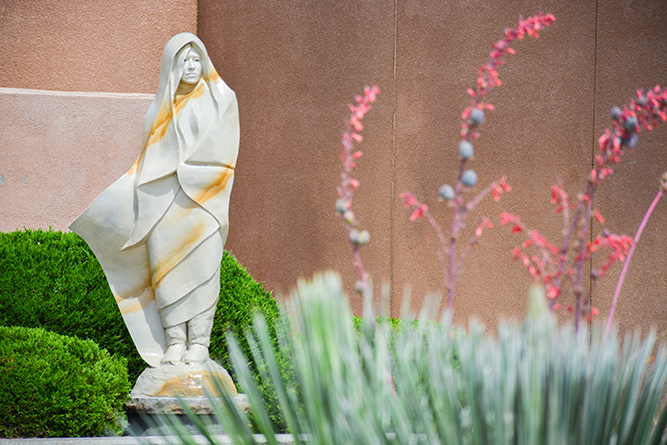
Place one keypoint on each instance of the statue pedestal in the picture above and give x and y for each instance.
(161, 392)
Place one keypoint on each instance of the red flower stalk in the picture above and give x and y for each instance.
(626, 264)
(542, 258)
(646, 111)
(349, 157)
(488, 73)
(472, 117)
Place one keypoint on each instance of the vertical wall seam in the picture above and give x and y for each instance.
(393, 165)
(197, 15)
(593, 145)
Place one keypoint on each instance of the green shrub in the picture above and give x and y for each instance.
(240, 298)
(52, 280)
(57, 386)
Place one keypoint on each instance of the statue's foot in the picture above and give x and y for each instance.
(174, 354)
(196, 353)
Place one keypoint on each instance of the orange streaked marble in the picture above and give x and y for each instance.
(131, 305)
(163, 119)
(165, 265)
(213, 75)
(132, 292)
(216, 187)
(196, 384)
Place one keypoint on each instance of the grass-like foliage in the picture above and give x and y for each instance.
(57, 386)
(531, 383)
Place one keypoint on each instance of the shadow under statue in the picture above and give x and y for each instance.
(159, 230)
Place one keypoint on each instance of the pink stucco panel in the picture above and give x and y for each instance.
(68, 45)
(59, 150)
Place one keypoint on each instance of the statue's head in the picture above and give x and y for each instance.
(184, 63)
(191, 59)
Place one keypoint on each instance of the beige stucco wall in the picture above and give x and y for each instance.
(59, 150)
(92, 45)
(294, 69)
(76, 79)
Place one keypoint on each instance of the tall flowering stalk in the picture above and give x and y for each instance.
(626, 264)
(560, 267)
(349, 156)
(472, 118)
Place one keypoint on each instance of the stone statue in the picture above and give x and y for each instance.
(159, 230)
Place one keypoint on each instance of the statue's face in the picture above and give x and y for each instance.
(192, 67)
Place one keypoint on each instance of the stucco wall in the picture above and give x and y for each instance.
(59, 150)
(60, 144)
(92, 45)
(294, 67)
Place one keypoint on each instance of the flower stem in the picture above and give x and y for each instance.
(360, 266)
(470, 206)
(578, 290)
(626, 263)
(443, 242)
(586, 198)
(458, 203)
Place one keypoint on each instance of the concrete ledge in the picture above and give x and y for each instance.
(158, 440)
(31, 92)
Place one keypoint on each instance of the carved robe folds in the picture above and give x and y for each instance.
(159, 230)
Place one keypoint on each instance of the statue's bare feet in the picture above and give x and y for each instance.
(174, 354)
(196, 353)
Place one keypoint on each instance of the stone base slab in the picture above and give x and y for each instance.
(174, 405)
(148, 416)
(184, 380)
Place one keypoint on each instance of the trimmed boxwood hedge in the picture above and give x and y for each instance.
(52, 280)
(58, 386)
